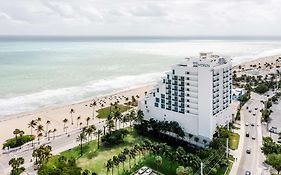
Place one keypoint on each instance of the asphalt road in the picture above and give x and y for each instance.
(252, 161)
(60, 143)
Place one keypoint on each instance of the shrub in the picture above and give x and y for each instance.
(13, 142)
(115, 137)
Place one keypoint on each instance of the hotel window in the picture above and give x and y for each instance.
(157, 89)
(187, 78)
(145, 102)
(173, 71)
(162, 95)
(153, 94)
(163, 80)
(156, 104)
(168, 76)
(162, 101)
(157, 99)
(162, 106)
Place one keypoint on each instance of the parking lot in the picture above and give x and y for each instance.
(275, 120)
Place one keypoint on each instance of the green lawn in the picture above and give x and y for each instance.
(234, 141)
(105, 112)
(94, 159)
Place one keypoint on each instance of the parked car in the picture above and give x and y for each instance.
(143, 169)
(250, 111)
(247, 173)
(247, 134)
(254, 114)
(248, 151)
(252, 124)
(247, 124)
(253, 138)
(256, 108)
(147, 172)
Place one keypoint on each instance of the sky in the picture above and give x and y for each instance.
(141, 17)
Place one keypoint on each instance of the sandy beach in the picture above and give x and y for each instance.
(265, 65)
(56, 114)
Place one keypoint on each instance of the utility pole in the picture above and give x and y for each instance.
(201, 168)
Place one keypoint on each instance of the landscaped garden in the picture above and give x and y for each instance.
(124, 151)
(105, 112)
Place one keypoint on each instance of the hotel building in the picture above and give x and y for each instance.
(196, 94)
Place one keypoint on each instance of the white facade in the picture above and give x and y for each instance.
(196, 94)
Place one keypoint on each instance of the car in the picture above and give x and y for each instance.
(247, 107)
(256, 108)
(247, 173)
(147, 172)
(253, 138)
(247, 134)
(252, 124)
(142, 169)
(246, 124)
(279, 141)
(250, 111)
(254, 114)
(248, 151)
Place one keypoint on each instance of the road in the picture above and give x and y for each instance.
(60, 143)
(252, 162)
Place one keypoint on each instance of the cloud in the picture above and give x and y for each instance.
(146, 17)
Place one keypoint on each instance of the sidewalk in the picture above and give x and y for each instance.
(238, 153)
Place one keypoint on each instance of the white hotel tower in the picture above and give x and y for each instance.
(196, 94)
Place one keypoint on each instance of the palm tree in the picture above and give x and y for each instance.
(16, 132)
(47, 124)
(71, 112)
(182, 171)
(109, 165)
(110, 125)
(122, 159)
(80, 125)
(54, 133)
(16, 163)
(78, 118)
(87, 120)
(93, 128)
(117, 117)
(93, 105)
(32, 125)
(64, 123)
(88, 132)
(39, 129)
(81, 138)
(126, 151)
(116, 162)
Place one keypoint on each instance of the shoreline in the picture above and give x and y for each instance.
(4, 118)
(55, 114)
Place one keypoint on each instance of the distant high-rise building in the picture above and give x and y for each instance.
(196, 94)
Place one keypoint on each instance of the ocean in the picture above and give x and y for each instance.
(46, 71)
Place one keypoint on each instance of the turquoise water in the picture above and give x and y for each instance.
(43, 72)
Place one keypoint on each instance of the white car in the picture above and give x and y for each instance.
(247, 124)
(143, 169)
(147, 172)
